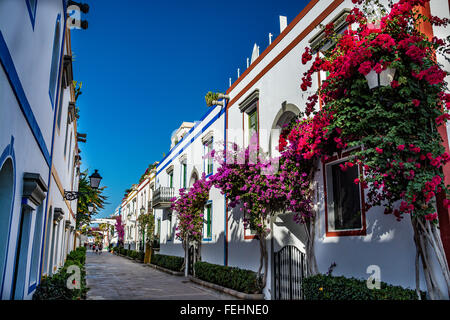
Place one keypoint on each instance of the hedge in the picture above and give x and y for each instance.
(327, 287)
(231, 277)
(55, 287)
(169, 262)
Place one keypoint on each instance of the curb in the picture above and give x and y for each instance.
(174, 273)
(240, 295)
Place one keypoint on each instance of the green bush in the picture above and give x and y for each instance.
(327, 287)
(141, 255)
(78, 255)
(168, 262)
(55, 287)
(234, 278)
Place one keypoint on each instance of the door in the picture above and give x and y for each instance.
(289, 271)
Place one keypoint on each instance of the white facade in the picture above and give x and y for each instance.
(184, 165)
(34, 172)
(271, 88)
(136, 202)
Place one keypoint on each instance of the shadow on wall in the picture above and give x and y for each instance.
(388, 244)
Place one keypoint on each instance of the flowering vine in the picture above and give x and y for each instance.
(395, 127)
(189, 206)
(120, 230)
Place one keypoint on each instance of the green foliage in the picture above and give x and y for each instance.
(77, 89)
(210, 97)
(140, 255)
(168, 262)
(234, 278)
(87, 196)
(147, 225)
(327, 287)
(55, 287)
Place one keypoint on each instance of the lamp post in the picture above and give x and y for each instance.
(94, 181)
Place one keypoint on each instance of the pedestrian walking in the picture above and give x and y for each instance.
(100, 248)
(93, 247)
(96, 248)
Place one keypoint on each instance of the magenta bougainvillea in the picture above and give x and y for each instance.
(189, 206)
(120, 229)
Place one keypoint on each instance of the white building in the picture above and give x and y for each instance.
(135, 203)
(266, 96)
(38, 161)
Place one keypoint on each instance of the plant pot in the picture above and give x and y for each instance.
(223, 96)
(218, 103)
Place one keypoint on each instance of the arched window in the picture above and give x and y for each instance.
(6, 201)
(55, 61)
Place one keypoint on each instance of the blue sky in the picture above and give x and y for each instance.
(146, 67)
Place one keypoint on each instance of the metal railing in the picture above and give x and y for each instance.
(162, 196)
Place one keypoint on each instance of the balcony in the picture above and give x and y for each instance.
(162, 196)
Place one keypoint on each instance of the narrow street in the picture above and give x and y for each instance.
(111, 277)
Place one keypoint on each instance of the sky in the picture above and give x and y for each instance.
(146, 67)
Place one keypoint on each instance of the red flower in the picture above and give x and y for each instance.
(365, 67)
(401, 147)
(356, 181)
(379, 150)
(416, 102)
(395, 84)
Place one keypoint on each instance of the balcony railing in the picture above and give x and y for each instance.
(162, 196)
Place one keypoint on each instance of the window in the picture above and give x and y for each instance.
(208, 146)
(60, 104)
(171, 179)
(252, 124)
(249, 233)
(55, 61)
(32, 6)
(207, 218)
(184, 164)
(70, 150)
(344, 201)
(249, 108)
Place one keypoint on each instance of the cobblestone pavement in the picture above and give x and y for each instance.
(111, 277)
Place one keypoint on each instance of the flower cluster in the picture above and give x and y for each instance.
(400, 163)
(189, 206)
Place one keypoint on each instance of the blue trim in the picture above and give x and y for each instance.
(13, 78)
(32, 287)
(186, 135)
(58, 62)
(9, 153)
(32, 12)
(193, 139)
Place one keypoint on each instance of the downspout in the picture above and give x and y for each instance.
(225, 262)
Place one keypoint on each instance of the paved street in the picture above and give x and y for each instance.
(111, 277)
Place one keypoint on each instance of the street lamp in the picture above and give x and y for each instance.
(94, 181)
(142, 210)
(90, 207)
(382, 79)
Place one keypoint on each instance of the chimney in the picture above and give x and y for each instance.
(283, 23)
